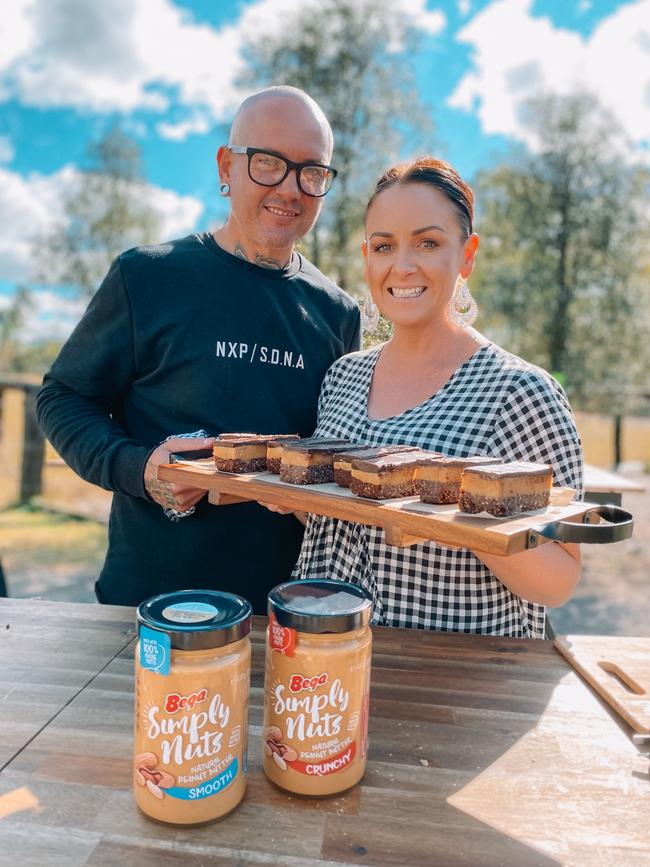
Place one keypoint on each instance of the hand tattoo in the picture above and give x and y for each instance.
(161, 493)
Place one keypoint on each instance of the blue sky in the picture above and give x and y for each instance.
(166, 69)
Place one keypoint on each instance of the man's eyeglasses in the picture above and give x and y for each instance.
(269, 170)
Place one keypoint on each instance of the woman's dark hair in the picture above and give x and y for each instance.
(435, 173)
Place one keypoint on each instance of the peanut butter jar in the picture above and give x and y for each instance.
(317, 684)
(192, 674)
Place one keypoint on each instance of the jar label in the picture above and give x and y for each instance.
(314, 733)
(190, 612)
(208, 788)
(154, 650)
(188, 739)
(282, 638)
(328, 766)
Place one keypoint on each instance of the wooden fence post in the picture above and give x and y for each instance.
(31, 475)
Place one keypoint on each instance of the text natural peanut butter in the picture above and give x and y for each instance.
(192, 667)
(317, 681)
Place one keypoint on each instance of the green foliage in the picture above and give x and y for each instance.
(565, 240)
(11, 319)
(339, 53)
(381, 334)
(105, 213)
(33, 357)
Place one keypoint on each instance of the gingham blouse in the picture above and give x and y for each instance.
(494, 404)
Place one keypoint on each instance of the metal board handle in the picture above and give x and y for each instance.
(619, 527)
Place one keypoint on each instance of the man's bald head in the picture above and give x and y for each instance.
(253, 109)
(266, 220)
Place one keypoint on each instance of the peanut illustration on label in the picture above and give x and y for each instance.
(273, 747)
(147, 775)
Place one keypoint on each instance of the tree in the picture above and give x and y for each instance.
(11, 320)
(105, 212)
(353, 58)
(565, 235)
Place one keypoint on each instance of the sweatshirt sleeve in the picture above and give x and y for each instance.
(355, 342)
(81, 401)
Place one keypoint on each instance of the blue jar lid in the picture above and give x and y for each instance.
(197, 619)
(320, 605)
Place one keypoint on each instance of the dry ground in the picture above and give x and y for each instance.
(57, 557)
(50, 555)
(613, 597)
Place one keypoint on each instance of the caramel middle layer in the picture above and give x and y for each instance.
(395, 476)
(442, 473)
(297, 458)
(255, 450)
(503, 487)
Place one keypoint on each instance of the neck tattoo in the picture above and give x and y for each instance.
(262, 261)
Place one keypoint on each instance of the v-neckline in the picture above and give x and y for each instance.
(444, 387)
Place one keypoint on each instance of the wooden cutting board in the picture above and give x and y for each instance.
(618, 669)
(405, 521)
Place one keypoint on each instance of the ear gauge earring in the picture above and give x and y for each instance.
(369, 314)
(224, 189)
(462, 306)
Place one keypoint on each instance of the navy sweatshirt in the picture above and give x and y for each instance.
(179, 337)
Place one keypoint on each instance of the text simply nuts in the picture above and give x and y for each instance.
(192, 669)
(317, 684)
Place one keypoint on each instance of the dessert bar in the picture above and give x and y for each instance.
(343, 462)
(505, 489)
(439, 481)
(389, 476)
(304, 464)
(277, 450)
(240, 454)
(274, 451)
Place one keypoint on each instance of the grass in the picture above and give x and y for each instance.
(42, 550)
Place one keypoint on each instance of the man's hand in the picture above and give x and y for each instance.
(171, 495)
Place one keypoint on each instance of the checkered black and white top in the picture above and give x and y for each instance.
(494, 404)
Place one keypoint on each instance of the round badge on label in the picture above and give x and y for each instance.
(190, 612)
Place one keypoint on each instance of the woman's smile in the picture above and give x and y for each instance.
(406, 291)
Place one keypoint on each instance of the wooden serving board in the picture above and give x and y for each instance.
(618, 669)
(406, 521)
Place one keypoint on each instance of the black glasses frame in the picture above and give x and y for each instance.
(250, 153)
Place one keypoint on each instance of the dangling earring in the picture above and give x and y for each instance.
(224, 189)
(462, 306)
(369, 314)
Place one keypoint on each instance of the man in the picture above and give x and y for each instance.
(225, 332)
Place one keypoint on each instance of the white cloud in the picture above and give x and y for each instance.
(178, 214)
(6, 149)
(516, 55)
(124, 55)
(120, 55)
(179, 131)
(15, 33)
(464, 7)
(30, 206)
(50, 316)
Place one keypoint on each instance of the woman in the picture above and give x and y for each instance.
(440, 385)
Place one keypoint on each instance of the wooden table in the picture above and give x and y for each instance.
(483, 751)
(602, 486)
